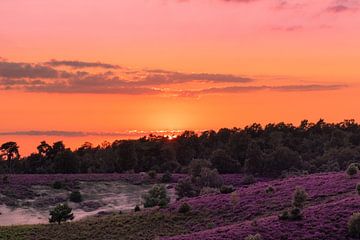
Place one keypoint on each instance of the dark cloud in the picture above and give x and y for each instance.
(15, 82)
(26, 70)
(338, 9)
(81, 64)
(340, 6)
(245, 89)
(176, 77)
(32, 77)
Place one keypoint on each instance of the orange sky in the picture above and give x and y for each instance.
(105, 66)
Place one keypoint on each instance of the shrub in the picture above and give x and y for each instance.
(75, 196)
(352, 169)
(248, 179)
(225, 189)
(184, 208)
(284, 215)
(152, 174)
(137, 208)
(299, 197)
(358, 188)
(196, 165)
(209, 178)
(185, 188)
(209, 191)
(270, 190)
(254, 237)
(210, 225)
(294, 214)
(166, 177)
(61, 213)
(354, 225)
(157, 196)
(57, 185)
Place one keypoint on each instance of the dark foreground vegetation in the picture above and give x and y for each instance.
(273, 150)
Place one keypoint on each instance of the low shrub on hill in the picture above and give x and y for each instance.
(298, 201)
(184, 208)
(61, 213)
(294, 215)
(185, 188)
(352, 170)
(152, 174)
(299, 197)
(208, 178)
(270, 190)
(76, 196)
(157, 196)
(225, 189)
(354, 225)
(248, 179)
(137, 208)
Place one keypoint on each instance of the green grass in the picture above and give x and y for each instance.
(142, 225)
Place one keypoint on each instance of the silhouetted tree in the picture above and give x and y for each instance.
(9, 151)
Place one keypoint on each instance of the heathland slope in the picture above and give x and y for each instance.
(332, 199)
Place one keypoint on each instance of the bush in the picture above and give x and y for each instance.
(358, 188)
(75, 196)
(157, 196)
(270, 190)
(352, 170)
(248, 179)
(196, 165)
(299, 197)
(254, 237)
(152, 174)
(137, 208)
(184, 208)
(354, 225)
(294, 215)
(166, 177)
(284, 215)
(209, 178)
(61, 213)
(57, 185)
(185, 188)
(225, 189)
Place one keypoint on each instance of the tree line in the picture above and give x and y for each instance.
(272, 150)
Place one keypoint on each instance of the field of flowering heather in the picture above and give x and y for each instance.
(251, 209)
(332, 199)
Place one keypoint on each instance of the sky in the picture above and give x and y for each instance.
(89, 70)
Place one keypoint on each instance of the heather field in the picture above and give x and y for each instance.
(251, 209)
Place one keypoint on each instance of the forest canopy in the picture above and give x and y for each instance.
(272, 150)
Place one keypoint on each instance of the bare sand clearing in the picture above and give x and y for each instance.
(98, 198)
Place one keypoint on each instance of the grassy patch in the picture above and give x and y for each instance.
(142, 225)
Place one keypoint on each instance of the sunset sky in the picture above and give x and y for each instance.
(90, 70)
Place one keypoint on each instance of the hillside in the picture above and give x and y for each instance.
(250, 210)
